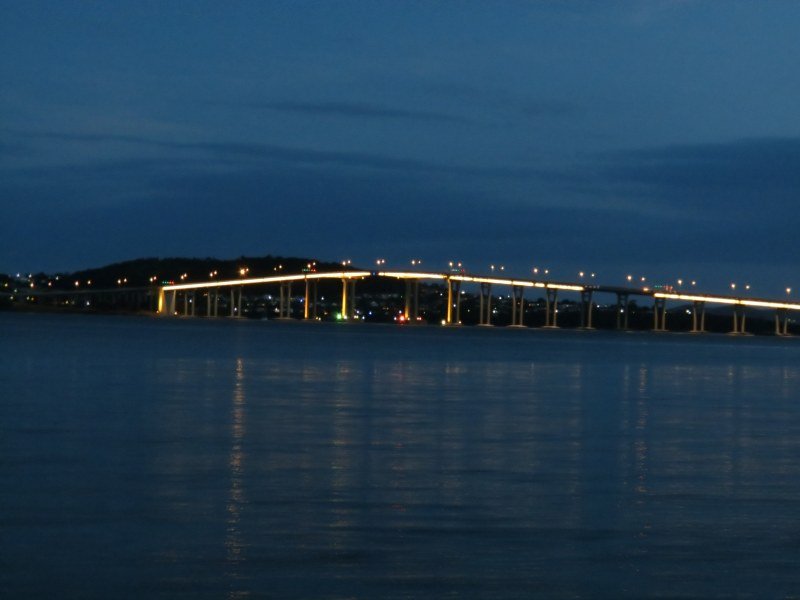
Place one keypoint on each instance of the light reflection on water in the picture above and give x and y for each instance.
(215, 459)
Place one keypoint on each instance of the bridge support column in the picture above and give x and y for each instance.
(310, 300)
(551, 308)
(348, 298)
(193, 303)
(517, 305)
(738, 320)
(586, 309)
(239, 302)
(216, 302)
(232, 312)
(622, 311)
(285, 303)
(161, 301)
(453, 288)
(485, 308)
(185, 304)
(659, 314)
(782, 324)
(412, 300)
(698, 317)
(173, 302)
(352, 312)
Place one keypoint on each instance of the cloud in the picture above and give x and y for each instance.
(357, 110)
(493, 98)
(752, 164)
(230, 152)
(739, 183)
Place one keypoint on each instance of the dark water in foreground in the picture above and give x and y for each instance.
(144, 459)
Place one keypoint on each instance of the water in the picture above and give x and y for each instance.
(145, 458)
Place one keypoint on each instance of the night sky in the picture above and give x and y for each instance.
(654, 138)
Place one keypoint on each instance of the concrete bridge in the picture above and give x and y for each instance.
(182, 298)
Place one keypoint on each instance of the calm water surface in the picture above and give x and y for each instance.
(144, 458)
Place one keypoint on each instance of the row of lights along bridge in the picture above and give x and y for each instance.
(454, 266)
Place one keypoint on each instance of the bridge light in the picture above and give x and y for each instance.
(788, 291)
(629, 277)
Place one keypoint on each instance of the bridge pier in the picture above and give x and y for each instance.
(216, 302)
(781, 325)
(412, 300)
(738, 320)
(310, 301)
(551, 308)
(659, 314)
(453, 288)
(699, 317)
(348, 298)
(485, 307)
(586, 309)
(236, 302)
(194, 303)
(517, 305)
(622, 310)
(285, 301)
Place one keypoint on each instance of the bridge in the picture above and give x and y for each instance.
(170, 297)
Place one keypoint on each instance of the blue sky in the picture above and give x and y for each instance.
(658, 138)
